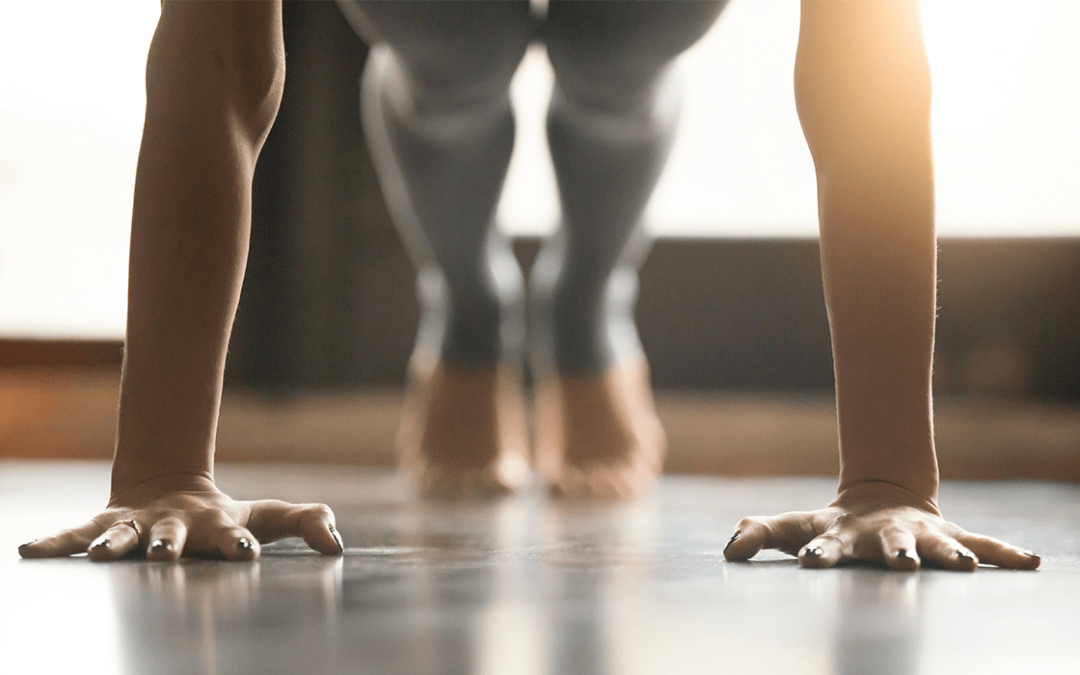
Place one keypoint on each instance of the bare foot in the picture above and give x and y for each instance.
(463, 429)
(598, 436)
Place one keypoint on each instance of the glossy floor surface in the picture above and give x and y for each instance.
(528, 585)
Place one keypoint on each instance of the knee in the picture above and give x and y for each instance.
(452, 55)
(457, 75)
(223, 59)
(613, 56)
(592, 77)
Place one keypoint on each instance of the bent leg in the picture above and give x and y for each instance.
(610, 127)
(436, 112)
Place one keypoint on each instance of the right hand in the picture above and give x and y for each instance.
(168, 516)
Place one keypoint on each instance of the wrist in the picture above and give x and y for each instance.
(884, 493)
(128, 492)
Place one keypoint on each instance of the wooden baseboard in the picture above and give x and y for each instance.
(71, 414)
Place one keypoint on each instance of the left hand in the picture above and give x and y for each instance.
(875, 522)
(164, 518)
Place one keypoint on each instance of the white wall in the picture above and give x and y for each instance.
(1007, 97)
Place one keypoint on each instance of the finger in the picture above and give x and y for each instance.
(64, 543)
(315, 523)
(946, 552)
(116, 542)
(823, 551)
(167, 538)
(996, 552)
(787, 532)
(898, 548)
(237, 543)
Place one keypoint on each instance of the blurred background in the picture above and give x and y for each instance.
(731, 310)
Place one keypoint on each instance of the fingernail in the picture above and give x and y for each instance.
(337, 539)
(1029, 554)
(244, 544)
(32, 542)
(965, 555)
(100, 543)
(732, 541)
(904, 554)
(814, 552)
(160, 545)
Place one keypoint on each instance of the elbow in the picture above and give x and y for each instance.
(219, 71)
(866, 123)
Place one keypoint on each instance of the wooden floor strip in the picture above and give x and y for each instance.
(71, 414)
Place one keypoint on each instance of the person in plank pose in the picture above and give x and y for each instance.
(437, 115)
(214, 79)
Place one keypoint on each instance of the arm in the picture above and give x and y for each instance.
(862, 86)
(214, 79)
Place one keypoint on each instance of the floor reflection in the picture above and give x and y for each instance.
(274, 615)
(533, 586)
(878, 628)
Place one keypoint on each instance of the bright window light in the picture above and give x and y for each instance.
(1007, 145)
(1006, 139)
(71, 110)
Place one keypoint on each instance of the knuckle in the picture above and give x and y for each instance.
(808, 531)
(828, 538)
(893, 531)
(102, 520)
(920, 530)
(321, 511)
(747, 524)
(171, 521)
(846, 520)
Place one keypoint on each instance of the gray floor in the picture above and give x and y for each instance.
(527, 585)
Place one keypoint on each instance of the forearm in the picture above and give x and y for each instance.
(863, 90)
(188, 246)
(879, 268)
(190, 228)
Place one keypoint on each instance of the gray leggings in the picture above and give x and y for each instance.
(438, 120)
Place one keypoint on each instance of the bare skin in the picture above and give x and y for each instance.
(598, 436)
(463, 429)
(862, 86)
(214, 79)
(436, 113)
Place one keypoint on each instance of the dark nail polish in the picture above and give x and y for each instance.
(1031, 554)
(244, 544)
(160, 545)
(814, 552)
(31, 543)
(965, 555)
(337, 539)
(732, 540)
(100, 543)
(903, 554)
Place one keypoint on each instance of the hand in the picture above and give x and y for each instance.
(875, 522)
(173, 515)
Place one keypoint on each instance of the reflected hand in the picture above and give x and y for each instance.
(173, 515)
(874, 522)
